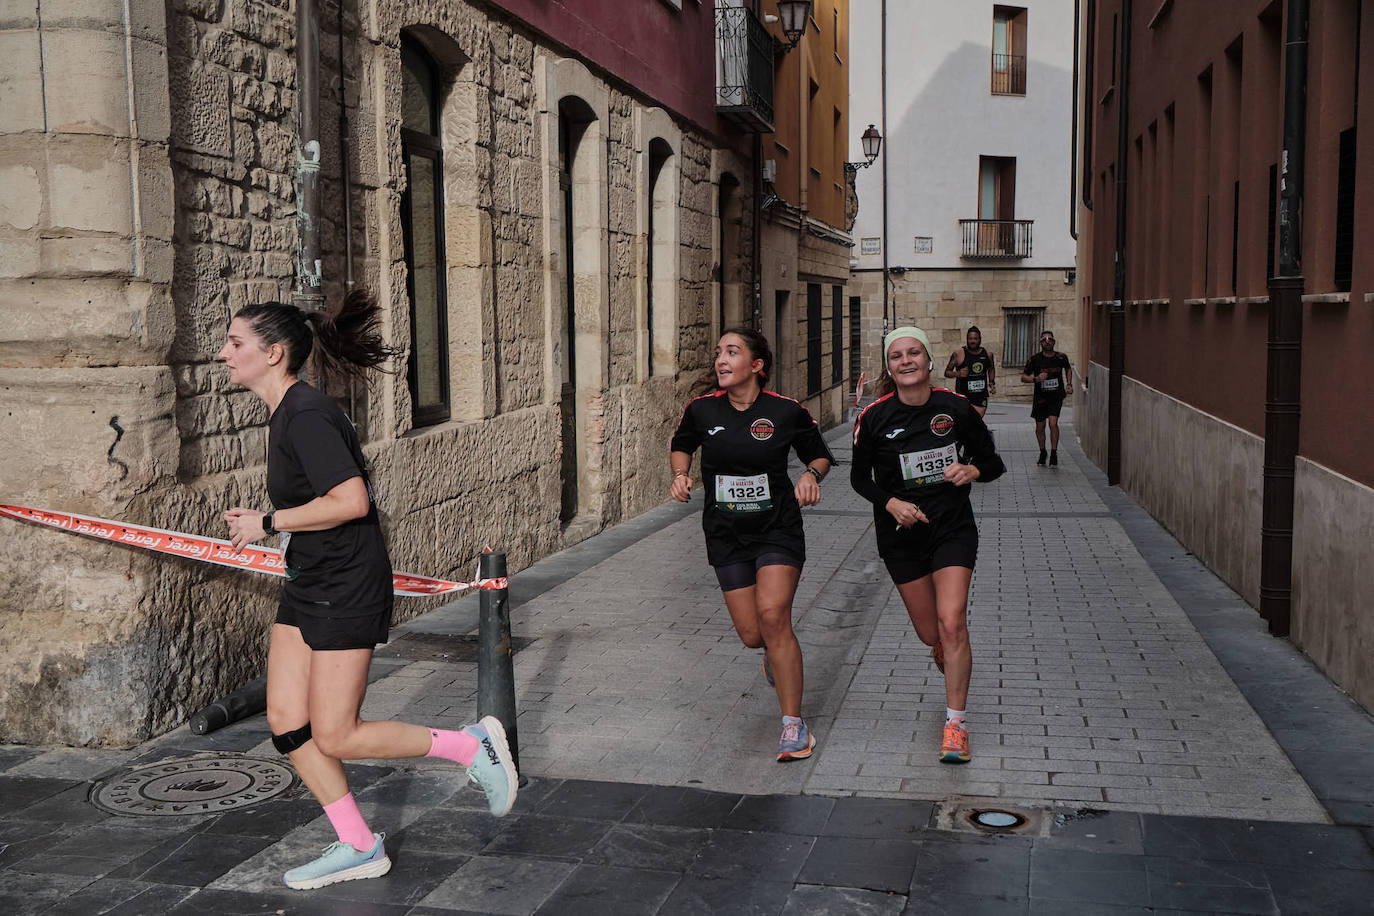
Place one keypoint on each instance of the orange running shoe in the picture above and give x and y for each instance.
(937, 652)
(954, 748)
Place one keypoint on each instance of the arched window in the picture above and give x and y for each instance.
(422, 219)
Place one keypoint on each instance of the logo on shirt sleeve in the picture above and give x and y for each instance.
(942, 424)
(762, 429)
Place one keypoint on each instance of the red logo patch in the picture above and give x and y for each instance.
(942, 424)
(763, 429)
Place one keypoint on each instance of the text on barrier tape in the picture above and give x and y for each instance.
(267, 560)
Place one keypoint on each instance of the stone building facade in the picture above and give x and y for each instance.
(147, 192)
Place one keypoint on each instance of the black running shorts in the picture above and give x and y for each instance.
(958, 547)
(333, 630)
(1049, 407)
(742, 575)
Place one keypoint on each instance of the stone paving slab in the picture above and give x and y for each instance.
(575, 846)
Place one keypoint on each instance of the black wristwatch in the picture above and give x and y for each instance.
(267, 524)
(814, 473)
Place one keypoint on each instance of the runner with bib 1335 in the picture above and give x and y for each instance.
(916, 450)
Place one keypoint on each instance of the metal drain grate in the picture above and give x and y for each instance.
(208, 784)
(440, 647)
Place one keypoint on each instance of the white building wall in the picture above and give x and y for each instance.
(942, 115)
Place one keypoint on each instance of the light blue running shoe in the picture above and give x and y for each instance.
(341, 862)
(796, 742)
(492, 769)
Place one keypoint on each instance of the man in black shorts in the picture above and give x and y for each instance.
(1049, 371)
(971, 367)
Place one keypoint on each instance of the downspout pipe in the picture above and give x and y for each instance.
(346, 178)
(1283, 373)
(757, 207)
(1073, 136)
(887, 143)
(309, 291)
(344, 168)
(1116, 351)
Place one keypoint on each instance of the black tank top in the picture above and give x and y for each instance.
(976, 382)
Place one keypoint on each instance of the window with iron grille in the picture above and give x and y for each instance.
(1023, 327)
(837, 335)
(1008, 50)
(813, 339)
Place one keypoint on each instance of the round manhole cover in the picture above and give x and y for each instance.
(997, 820)
(199, 785)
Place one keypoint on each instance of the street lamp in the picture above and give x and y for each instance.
(794, 14)
(872, 142)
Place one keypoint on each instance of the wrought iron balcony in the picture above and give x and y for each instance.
(744, 69)
(996, 238)
(1008, 74)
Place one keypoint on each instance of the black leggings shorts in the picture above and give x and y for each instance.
(742, 575)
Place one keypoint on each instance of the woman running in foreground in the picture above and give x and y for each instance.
(336, 604)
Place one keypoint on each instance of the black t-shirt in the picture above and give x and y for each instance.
(312, 448)
(1057, 367)
(750, 504)
(975, 384)
(902, 451)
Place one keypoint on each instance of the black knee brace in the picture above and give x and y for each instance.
(292, 740)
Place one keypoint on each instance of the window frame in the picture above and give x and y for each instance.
(1010, 345)
(429, 147)
(1007, 80)
(837, 334)
(815, 307)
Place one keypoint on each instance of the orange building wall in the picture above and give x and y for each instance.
(809, 147)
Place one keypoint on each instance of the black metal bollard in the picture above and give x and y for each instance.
(495, 668)
(248, 700)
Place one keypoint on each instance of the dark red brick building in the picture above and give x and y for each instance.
(1202, 388)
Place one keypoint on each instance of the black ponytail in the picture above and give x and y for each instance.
(349, 342)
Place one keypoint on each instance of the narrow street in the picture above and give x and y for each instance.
(1117, 704)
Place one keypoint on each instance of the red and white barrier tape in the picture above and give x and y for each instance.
(859, 388)
(267, 560)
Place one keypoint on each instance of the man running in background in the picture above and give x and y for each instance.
(971, 367)
(1049, 371)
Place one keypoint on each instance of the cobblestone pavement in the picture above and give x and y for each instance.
(1105, 710)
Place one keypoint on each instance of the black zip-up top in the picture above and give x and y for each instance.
(902, 451)
(750, 504)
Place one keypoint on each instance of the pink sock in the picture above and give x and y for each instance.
(460, 747)
(349, 824)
